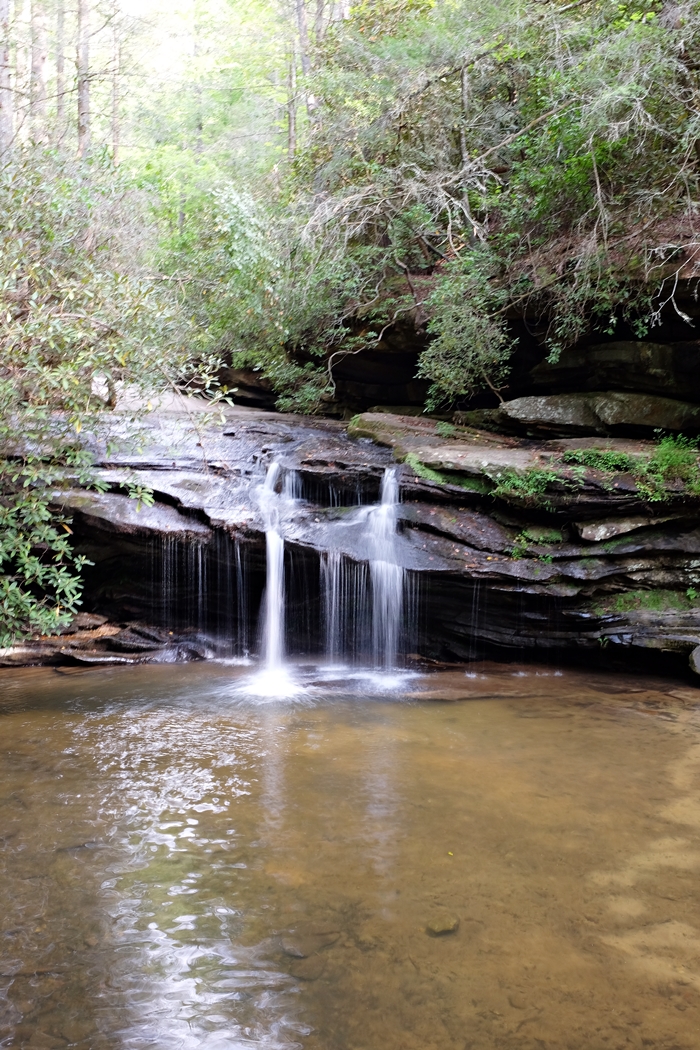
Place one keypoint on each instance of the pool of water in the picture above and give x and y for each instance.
(187, 865)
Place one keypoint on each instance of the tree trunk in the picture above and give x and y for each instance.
(83, 67)
(292, 106)
(305, 53)
(20, 87)
(465, 113)
(37, 85)
(319, 26)
(198, 94)
(116, 69)
(6, 122)
(303, 30)
(60, 70)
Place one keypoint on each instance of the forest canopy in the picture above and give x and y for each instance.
(445, 162)
(273, 184)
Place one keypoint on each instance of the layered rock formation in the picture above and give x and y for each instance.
(569, 546)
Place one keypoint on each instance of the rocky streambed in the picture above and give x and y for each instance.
(580, 547)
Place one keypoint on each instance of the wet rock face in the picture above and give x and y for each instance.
(514, 545)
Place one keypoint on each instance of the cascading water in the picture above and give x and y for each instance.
(274, 680)
(386, 574)
(364, 603)
(365, 599)
(346, 608)
(331, 570)
(274, 619)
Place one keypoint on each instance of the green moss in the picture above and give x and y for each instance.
(543, 534)
(421, 470)
(649, 600)
(445, 477)
(445, 430)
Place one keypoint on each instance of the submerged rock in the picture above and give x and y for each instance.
(308, 969)
(442, 923)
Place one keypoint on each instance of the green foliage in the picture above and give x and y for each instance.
(81, 320)
(511, 154)
(456, 163)
(601, 459)
(470, 349)
(676, 459)
(527, 487)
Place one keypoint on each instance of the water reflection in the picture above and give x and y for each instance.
(184, 867)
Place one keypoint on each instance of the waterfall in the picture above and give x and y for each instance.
(273, 617)
(333, 604)
(364, 611)
(241, 601)
(366, 597)
(386, 575)
(346, 607)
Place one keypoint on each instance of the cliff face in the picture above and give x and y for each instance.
(664, 364)
(567, 546)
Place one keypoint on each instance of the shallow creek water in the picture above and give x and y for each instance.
(184, 867)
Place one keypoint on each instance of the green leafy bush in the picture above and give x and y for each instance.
(81, 318)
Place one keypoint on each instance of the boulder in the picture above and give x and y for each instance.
(616, 409)
(601, 413)
(561, 413)
(694, 660)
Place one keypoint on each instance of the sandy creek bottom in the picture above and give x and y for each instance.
(183, 866)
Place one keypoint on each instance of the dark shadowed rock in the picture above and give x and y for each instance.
(672, 369)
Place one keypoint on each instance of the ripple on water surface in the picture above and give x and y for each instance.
(499, 859)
